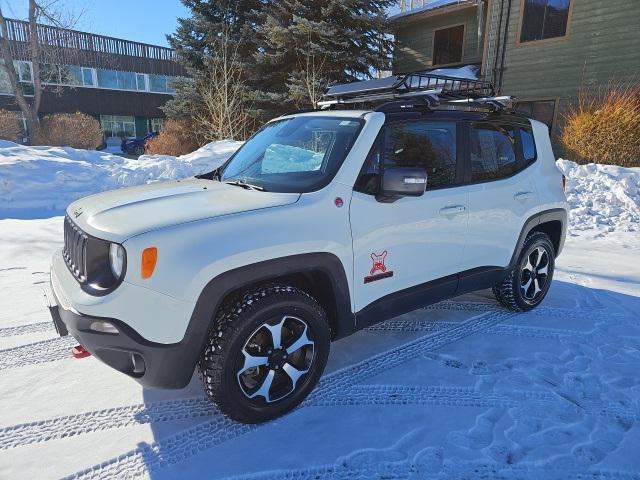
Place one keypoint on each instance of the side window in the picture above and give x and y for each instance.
(492, 151)
(528, 145)
(430, 145)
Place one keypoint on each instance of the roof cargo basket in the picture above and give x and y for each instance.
(428, 88)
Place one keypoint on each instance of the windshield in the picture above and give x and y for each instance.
(299, 154)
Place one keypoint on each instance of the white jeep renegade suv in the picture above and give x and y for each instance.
(321, 224)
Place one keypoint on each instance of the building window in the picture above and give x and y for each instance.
(141, 81)
(156, 124)
(541, 110)
(160, 84)
(107, 78)
(23, 70)
(543, 19)
(447, 45)
(118, 126)
(87, 77)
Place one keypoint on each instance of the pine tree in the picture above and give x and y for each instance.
(306, 45)
(198, 40)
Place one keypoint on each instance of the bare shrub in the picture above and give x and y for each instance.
(604, 126)
(10, 126)
(76, 130)
(226, 103)
(176, 138)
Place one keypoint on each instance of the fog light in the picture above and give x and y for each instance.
(103, 327)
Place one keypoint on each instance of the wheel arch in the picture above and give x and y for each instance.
(552, 222)
(322, 275)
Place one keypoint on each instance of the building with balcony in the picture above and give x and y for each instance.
(121, 83)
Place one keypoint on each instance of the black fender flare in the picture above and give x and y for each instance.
(556, 214)
(224, 284)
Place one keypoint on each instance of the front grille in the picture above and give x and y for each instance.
(75, 249)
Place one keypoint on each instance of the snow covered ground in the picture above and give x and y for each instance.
(462, 389)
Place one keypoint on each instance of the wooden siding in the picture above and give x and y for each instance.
(602, 45)
(414, 40)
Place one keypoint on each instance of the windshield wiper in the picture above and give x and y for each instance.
(245, 185)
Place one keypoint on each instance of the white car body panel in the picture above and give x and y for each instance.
(423, 237)
(121, 214)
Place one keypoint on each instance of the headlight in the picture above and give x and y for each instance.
(116, 259)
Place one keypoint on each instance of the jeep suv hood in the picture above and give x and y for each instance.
(120, 214)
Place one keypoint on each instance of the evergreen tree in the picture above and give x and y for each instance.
(287, 52)
(306, 45)
(198, 40)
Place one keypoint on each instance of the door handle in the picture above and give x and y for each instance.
(453, 210)
(523, 196)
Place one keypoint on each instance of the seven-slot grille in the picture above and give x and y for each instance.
(75, 249)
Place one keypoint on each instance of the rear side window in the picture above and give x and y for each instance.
(528, 145)
(492, 150)
(430, 145)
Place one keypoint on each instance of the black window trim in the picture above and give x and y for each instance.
(521, 164)
(463, 158)
(379, 142)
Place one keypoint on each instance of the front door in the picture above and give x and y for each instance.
(400, 245)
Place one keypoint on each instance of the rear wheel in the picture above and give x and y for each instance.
(530, 278)
(139, 150)
(266, 352)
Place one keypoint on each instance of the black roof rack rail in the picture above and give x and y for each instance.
(429, 88)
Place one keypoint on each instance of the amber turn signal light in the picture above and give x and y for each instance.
(149, 259)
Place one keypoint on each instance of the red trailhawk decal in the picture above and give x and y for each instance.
(378, 266)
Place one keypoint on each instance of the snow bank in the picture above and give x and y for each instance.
(39, 182)
(603, 197)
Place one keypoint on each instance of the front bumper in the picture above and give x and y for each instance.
(150, 364)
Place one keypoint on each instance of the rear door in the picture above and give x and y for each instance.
(501, 192)
(412, 240)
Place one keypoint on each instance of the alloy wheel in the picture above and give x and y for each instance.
(534, 274)
(275, 358)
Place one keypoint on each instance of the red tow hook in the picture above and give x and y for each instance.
(80, 352)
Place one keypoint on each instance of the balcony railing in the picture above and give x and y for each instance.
(72, 47)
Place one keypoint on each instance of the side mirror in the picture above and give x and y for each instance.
(403, 182)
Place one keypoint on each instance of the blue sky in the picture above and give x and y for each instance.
(146, 21)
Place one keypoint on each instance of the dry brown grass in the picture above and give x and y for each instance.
(176, 138)
(10, 126)
(76, 130)
(604, 126)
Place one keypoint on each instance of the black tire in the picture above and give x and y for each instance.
(516, 292)
(242, 330)
(138, 150)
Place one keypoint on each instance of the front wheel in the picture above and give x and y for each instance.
(530, 278)
(265, 353)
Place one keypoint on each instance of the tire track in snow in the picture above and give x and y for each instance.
(117, 417)
(148, 458)
(36, 353)
(515, 330)
(26, 329)
(391, 358)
